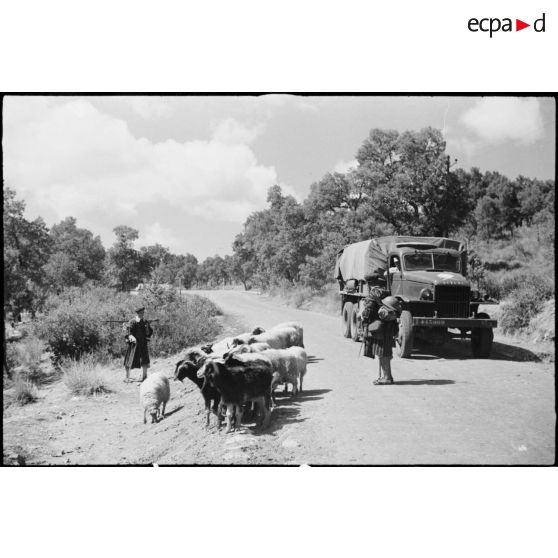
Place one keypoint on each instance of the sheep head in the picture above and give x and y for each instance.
(153, 410)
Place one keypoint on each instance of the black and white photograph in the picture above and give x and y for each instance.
(279, 279)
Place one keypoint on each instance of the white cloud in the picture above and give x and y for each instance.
(150, 108)
(232, 131)
(498, 119)
(344, 167)
(156, 234)
(74, 160)
(279, 100)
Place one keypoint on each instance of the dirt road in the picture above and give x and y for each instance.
(445, 408)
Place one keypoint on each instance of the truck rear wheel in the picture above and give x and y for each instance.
(481, 339)
(347, 313)
(405, 337)
(354, 323)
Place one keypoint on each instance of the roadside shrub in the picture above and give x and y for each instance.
(543, 326)
(518, 312)
(24, 391)
(29, 352)
(12, 355)
(186, 322)
(539, 284)
(76, 321)
(84, 377)
(502, 285)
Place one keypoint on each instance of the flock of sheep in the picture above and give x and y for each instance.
(236, 374)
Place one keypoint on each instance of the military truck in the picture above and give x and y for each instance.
(429, 276)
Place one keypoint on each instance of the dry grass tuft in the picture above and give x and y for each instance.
(24, 391)
(85, 377)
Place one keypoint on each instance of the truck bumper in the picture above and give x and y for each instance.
(457, 323)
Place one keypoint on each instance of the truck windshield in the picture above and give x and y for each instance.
(426, 261)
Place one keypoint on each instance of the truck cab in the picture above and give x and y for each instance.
(429, 276)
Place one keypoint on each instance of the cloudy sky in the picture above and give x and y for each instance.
(187, 171)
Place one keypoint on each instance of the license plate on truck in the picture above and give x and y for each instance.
(458, 323)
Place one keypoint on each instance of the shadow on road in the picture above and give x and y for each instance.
(282, 416)
(174, 411)
(423, 382)
(458, 349)
(287, 409)
(311, 359)
(312, 394)
(503, 351)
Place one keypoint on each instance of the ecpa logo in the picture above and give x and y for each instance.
(494, 24)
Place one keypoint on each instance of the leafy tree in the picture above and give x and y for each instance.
(243, 262)
(273, 244)
(27, 246)
(124, 269)
(188, 267)
(62, 271)
(534, 196)
(153, 257)
(498, 212)
(179, 270)
(77, 256)
(213, 272)
(409, 183)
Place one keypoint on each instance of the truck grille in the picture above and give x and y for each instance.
(452, 301)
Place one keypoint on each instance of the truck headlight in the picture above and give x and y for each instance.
(426, 294)
(475, 295)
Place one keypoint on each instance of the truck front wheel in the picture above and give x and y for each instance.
(347, 313)
(405, 337)
(481, 339)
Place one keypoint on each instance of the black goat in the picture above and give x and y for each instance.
(240, 381)
(188, 368)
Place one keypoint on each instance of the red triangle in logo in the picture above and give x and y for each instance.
(519, 25)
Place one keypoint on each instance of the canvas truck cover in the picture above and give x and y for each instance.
(356, 261)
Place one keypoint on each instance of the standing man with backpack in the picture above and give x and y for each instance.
(379, 318)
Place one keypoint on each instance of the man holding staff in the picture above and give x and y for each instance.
(138, 333)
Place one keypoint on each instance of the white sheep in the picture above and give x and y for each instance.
(241, 339)
(251, 348)
(278, 338)
(288, 366)
(276, 335)
(299, 329)
(154, 392)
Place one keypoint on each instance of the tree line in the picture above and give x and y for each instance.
(404, 183)
(39, 261)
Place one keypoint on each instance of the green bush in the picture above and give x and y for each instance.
(188, 321)
(541, 285)
(518, 312)
(76, 321)
(502, 285)
(29, 352)
(12, 355)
